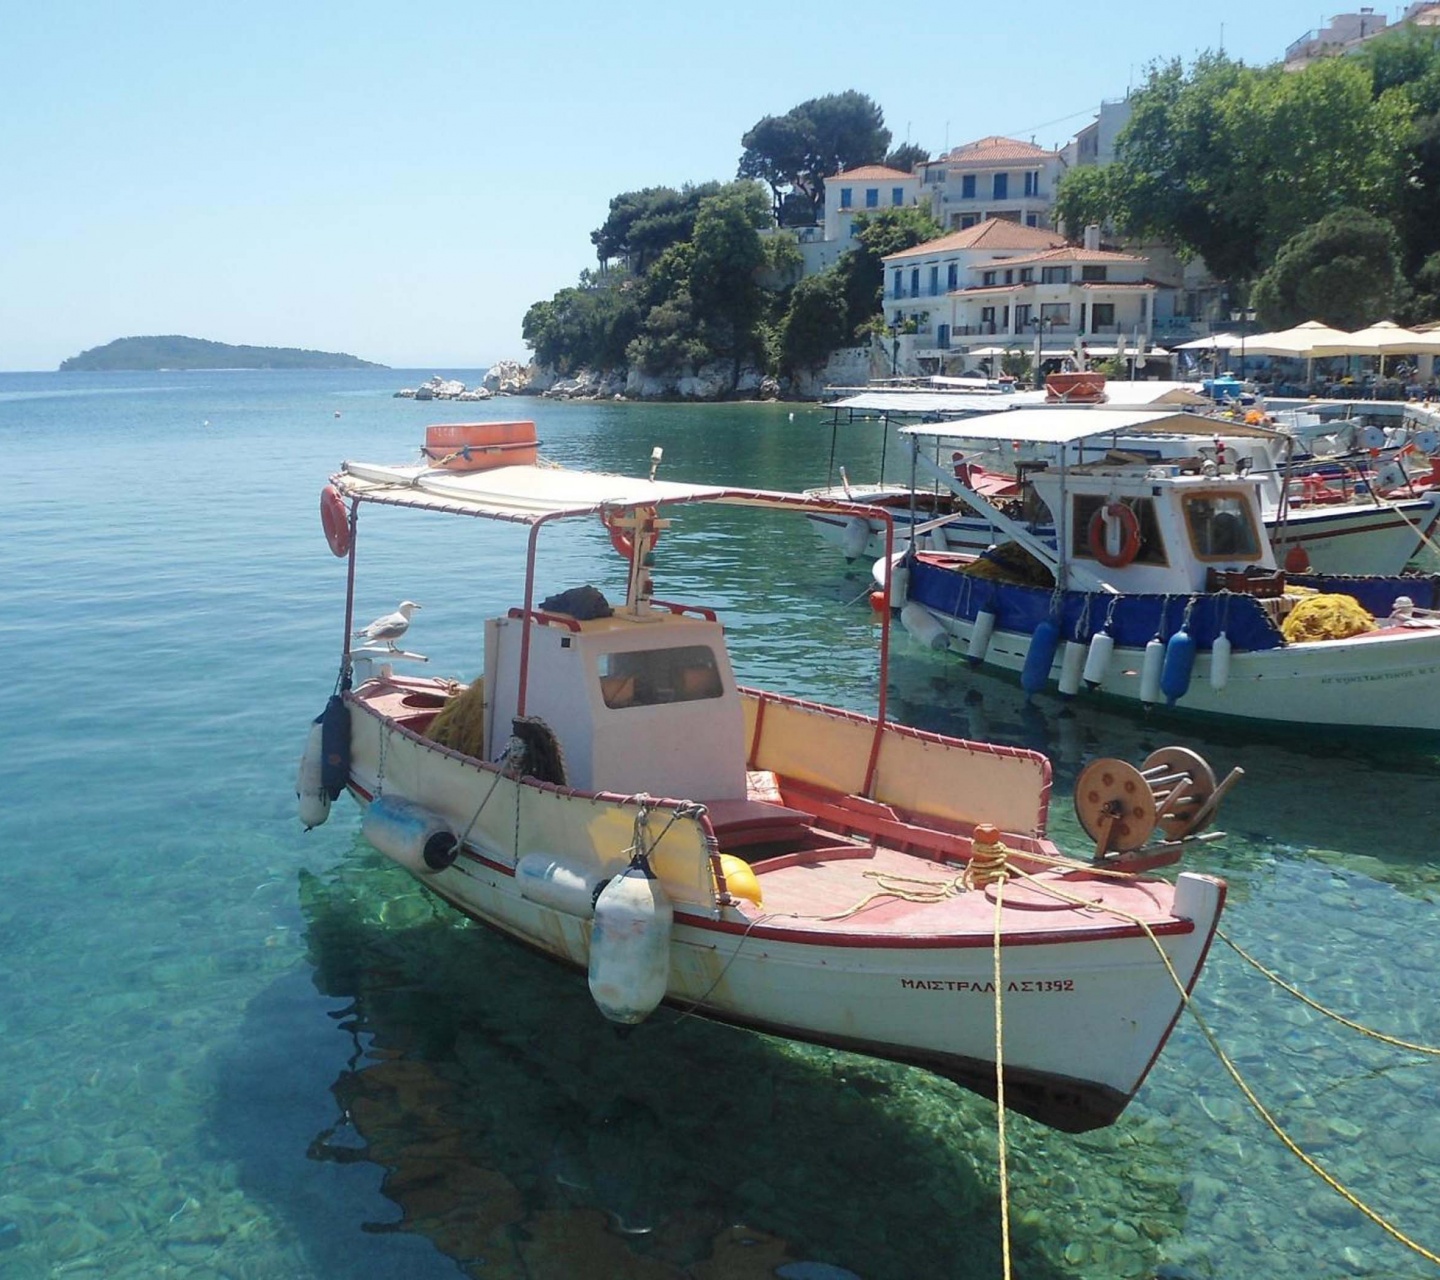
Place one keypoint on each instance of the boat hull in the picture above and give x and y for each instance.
(1381, 680)
(1086, 1005)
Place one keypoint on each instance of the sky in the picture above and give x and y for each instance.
(402, 181)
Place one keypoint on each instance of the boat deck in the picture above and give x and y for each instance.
(865, 892)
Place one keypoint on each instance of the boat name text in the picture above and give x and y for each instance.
(953, 984)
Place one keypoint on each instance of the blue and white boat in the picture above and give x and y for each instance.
(1157, 585)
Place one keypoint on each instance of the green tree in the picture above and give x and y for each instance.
(816, 323)
(1091, 194)
(642, 224)
(862, 268)
(906, 156)
(585, 327)
(796, 152)
(1344, 271)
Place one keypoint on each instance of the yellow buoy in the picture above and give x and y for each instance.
(741, 879)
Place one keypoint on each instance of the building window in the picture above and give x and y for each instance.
(942, 337)
(987, 319)
(967, 187)
(914, 282)
(846, 197)
(1055, 313)
(1032, 220)
(1103, 316)
(968, 220)
(895, 284)
(1092, 273)
(1144, 305)
(1032, 184)
(934, 281)
(1002, 186)
(1027, 275)
(1009, 277)
(872, 197)
(897, 196)
(988, 278)
(1022, 317)
(1054, 275)
(952, 277)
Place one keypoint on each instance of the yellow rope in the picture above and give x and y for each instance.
(1274, 1125)
(1320, 1008)
(999, 883)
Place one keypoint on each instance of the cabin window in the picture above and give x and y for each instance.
(1152, 545)
(649, 677)
(1221, 526)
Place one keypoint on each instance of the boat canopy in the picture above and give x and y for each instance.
(1067, 425)
(530, 494)
(937, 402)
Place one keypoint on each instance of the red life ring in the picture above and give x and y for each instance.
(620, 539)
(335, 520)
(1129, 535)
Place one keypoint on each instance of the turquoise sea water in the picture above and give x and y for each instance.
(232, 1049)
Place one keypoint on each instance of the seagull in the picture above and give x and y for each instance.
(389, 628)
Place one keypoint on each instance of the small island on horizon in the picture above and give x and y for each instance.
(172, 351)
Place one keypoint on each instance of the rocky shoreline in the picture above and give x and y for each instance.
(718, 381)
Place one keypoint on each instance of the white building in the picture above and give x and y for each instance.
(1348, 31)
(999, 284)
(994, 177)
(872, 188)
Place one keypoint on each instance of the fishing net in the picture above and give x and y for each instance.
(1326, 617)
(1010, 562)
(460, 723)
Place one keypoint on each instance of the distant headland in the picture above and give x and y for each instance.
(175, 352)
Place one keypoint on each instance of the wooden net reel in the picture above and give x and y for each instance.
(1121, 807)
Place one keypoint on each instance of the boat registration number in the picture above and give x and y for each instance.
(1037, 985)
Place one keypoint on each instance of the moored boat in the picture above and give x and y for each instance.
(607, 793)
(1160, 587)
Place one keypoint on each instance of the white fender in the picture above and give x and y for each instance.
(1150, 668)
(1097, 660)
(1220, 662)
(980, 635)
(923, 626)
(630, 946)
(314, 806)
(1072, 665)
(418, 839)
(854, 537)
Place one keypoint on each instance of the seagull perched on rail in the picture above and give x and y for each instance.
(389, 628)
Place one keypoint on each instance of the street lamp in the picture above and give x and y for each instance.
(1241, 318)
(1040, 324)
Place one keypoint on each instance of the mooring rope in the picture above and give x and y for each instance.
(1320, 1008)
(1234, 1072)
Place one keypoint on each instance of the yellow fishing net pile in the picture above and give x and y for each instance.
(460, 723)
(1326, 617)
(1010, 562)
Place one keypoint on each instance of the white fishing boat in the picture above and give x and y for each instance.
(607, 793)
(1350, 514)
(1160, 587)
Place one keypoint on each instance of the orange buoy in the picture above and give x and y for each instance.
(480, 446)
(335, 520)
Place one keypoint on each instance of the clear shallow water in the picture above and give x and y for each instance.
(228, 1048)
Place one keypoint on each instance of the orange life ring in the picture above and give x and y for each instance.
(620, 539)
(1129, 535)
(335, 520)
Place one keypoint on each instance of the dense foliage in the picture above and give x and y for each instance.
(1235, 164)
(1343, 271)
(171, 351)
(700, 274)
(794, 153)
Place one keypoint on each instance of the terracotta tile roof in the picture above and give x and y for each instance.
(869, 171)
(995, 150)
(1073, 253)
(993, 233)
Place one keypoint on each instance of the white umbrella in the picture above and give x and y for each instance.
(1215, 342)
(1311, 339)
(983, 352)
(1386, 338)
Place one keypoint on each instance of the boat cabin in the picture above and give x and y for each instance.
(638, 700)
